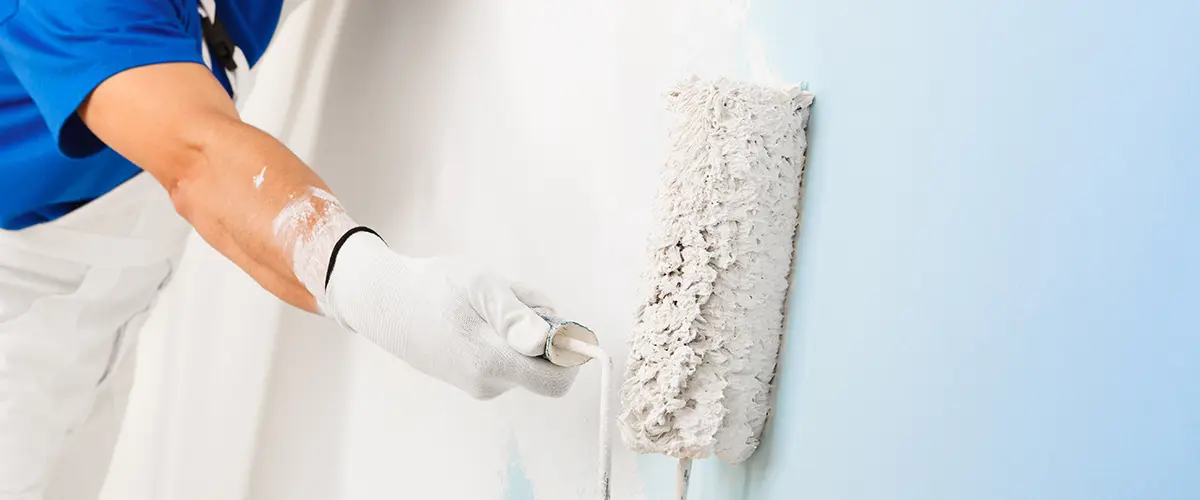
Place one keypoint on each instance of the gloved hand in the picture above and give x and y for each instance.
(446, 319)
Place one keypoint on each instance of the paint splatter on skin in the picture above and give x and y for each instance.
(258, 179)
(307, 228)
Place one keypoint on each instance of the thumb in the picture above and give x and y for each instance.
(523, 329)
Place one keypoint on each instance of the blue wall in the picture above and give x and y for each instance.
(998, 290)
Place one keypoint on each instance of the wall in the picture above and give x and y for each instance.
(205, 352)
(997, 292)
(526, 136)
(996, 288)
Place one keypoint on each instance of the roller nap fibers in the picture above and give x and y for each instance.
(707, 334)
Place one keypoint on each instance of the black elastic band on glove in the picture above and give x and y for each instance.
(338, 246)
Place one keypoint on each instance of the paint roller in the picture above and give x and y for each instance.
(707, 332)
(706, 338)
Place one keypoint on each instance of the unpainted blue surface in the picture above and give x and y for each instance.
(518, 486)
(997, 291)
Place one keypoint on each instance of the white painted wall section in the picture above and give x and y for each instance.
(527, 136)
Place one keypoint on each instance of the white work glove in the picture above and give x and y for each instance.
(450, 321)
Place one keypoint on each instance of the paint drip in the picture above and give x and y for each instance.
(307, 229)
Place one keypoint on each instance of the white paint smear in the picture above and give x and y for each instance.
(258, 179)
(307, 229)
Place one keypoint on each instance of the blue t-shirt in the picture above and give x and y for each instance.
(53, 53)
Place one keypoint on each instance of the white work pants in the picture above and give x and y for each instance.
(73, 294)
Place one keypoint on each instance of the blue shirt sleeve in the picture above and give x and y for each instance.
(61, 50)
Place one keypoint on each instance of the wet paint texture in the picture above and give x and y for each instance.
(706, 336)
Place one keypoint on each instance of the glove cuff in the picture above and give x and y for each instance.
(338, 246)
(362, 259)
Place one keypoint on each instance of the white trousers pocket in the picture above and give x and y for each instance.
(73, 293)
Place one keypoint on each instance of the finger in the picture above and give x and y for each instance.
(489, 390)
(542, 377)
(533, 298)
(520, 326)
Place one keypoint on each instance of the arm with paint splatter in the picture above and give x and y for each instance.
(228, 179)
(260, 206)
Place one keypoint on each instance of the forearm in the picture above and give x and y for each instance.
(245, 193)
(240, 184)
